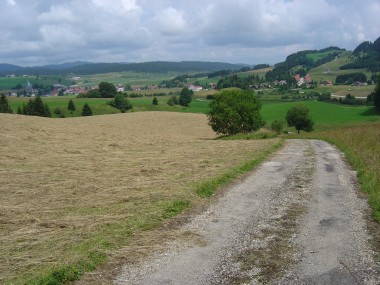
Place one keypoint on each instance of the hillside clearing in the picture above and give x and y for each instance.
(76, 190)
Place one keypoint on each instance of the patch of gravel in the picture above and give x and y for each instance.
(295, 220)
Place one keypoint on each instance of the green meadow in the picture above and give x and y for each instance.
(325, 115)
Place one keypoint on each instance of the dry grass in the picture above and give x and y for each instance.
(78, 186)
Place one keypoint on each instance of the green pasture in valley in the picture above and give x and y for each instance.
(323, 114)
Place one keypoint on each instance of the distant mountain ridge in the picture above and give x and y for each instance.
(87, 68)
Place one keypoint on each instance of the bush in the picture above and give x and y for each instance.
(173, 101)
(235, 111)
(121, 103)
(57, 111)
(278, 126)
(155, 101)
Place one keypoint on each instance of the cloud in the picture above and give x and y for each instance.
(170, 22)
(250, 31)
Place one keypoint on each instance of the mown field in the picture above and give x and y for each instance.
(77, 192)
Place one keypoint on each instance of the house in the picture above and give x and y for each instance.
(120, 88)
(307, 78)
(194, 88)
(302, 80)
(54, 92)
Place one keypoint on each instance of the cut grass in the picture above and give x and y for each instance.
(75, 191)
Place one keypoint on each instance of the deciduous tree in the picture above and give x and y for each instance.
(298, 117)
(235, 111)
(185, 97)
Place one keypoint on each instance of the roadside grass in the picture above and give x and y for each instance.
(361, 145)
(81, 189)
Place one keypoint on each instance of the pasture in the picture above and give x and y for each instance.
(77, 192)
(330, 70)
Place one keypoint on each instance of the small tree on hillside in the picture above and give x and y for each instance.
(298, 117)
(71, 106)
(4, 105)
(86, 110)
(185, 97)
(121, 103)
(235, 111)
(376, 96)
(155, 101)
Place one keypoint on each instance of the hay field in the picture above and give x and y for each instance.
(75, 190)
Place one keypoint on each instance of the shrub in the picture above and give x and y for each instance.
(278, 126)
(155, 101)
(121, 103)
(173, 101)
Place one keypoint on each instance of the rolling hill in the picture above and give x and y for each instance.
(86, 68)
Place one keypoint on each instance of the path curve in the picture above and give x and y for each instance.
(297, 219)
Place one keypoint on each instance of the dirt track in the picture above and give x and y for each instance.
(295, 220)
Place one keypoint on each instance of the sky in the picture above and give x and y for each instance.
(39, 32)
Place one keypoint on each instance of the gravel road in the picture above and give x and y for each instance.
(297, 219)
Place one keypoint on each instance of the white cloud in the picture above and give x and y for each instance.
(170, 22)
(251, 31)
(11, 2)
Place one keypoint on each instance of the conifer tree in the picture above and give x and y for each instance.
(86, 110)
(4, 105)
(71, 105)
(155, 101)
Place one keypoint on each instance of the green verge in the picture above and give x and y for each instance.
(209, 187)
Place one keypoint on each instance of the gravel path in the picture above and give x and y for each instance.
(295, 220)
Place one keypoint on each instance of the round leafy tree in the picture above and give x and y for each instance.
(235, 111)
(185, 97)
(107, 90)
(298, 117)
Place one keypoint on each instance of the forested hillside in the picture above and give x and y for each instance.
(301, 62)
(96, 68)
(366, 55)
